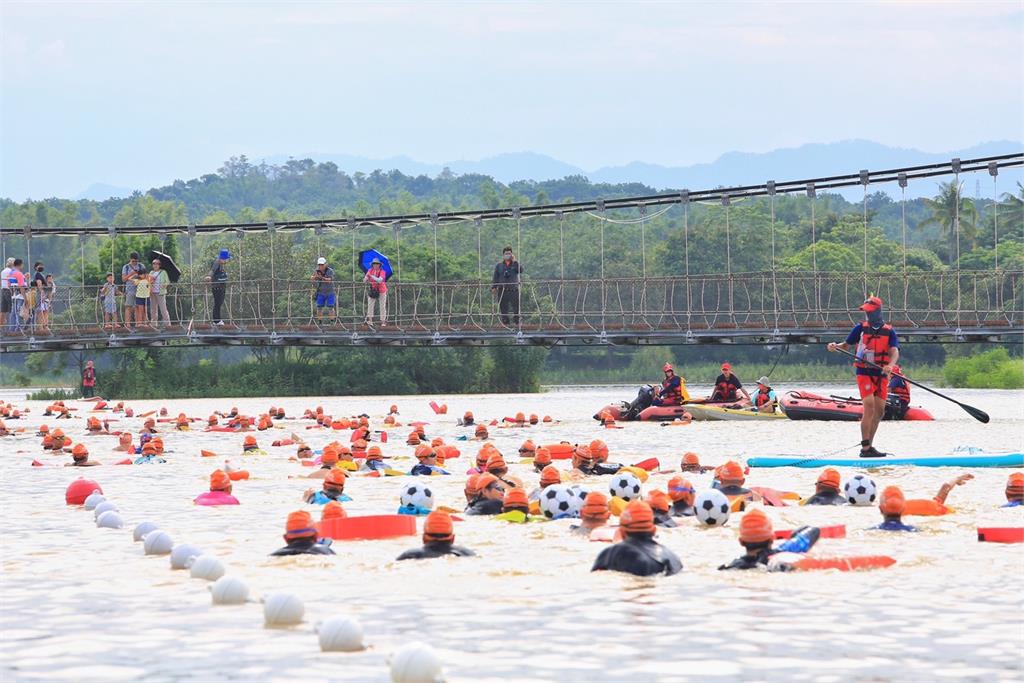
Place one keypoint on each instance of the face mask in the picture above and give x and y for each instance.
(875, 318)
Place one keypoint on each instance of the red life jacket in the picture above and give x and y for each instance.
(88, 377)
(901, 390)
(761, 398)
(873, 346)
(725, 391)
(671, 394)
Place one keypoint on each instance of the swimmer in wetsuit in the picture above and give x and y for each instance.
(691, 463)
(661, 504)
(756, 536)
(593, 515)
(729, 479)
(826, 490)
(300, 537)
(333, 489)
(427, 464)
(681, 493)
(438, 540)
(490, 496)
(549, 476)
(541, 459)
(892, 504)
(638, 553)
(1015, 490)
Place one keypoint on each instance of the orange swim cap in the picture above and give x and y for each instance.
(335, 479)
(496, 464)
(437, 441)
(547, 418)
(691, 458)
(484, 480)
(424, 452)
(43, 429)
(468, 415)
(414, 438)
(330, 455)
(212, 420)
(829, 478)
(515, 499)
(374, 453)
(599, 450)
(219, 481)
(520, 417)
(680, 490)
(57, 433)
(637, 518)
(438, 528)
(79, 451)
(359, 445)
(47, 441)
(534, 419)
(892, 502)
(149, 449)
(658, 500)
(1015, 486)
(249, 441)
(755, 527)
(528, 447)
(542, 456)
(595, 507)
(472, 488)
(481, 430)
(393, 408)
(550, 476)
(333, 510)
(299, 525)
(389, 420)
(731, 474)
(482, 456)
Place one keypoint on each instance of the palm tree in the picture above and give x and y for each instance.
(1011, 213)
(945, 215)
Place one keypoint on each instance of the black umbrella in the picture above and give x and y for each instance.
(167, 263)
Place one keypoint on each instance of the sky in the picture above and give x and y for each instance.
(138, 94)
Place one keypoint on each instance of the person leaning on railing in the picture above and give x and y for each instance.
(219, 278)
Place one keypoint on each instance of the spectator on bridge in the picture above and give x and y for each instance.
(728, 386)
(142, 291)
(376, 292)
(108, 299)
(19, 313)
(159, 283)
(219, 277)
(5, 292)
(323, 276)
(505, 285)
(130, 273)
(42, 285)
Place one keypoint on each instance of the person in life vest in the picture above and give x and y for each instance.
(1015, 490)
(438, 539)
(878, 350)
(899, 394)
(300, 537)
(764, 399)
(728, 386)
(757, 535)
(88, 380)
(638, 553)
(826, 490)
(673, 389)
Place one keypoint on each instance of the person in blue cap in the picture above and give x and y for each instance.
(219, 277)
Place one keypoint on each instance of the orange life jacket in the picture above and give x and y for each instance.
(873, 346)
(761, 398)
(901, 390)
(671, 394)
(725, 391)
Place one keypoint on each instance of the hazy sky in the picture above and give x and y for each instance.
(138, 94)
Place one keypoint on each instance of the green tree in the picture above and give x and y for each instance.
(946, 209)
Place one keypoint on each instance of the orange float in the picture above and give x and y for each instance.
(836, 531)
(1006, 534)
(845, 564)
(560, 451)
(367, 527)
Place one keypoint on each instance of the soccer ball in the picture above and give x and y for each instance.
(560, 501)
(626, 486)
(417, 495)
(860, 490)
(579, 492)
(712, 507)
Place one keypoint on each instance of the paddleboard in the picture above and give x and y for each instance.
(956, 459)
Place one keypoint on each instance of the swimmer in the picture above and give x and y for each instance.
(413, 439)
(149, 455)
(471, 489)
(1015, 490)
(438, 540)
(826, 490)
(593, 514)
(333, 510)
(328, 460)
(220, 491)
(124, 443)
(482, 456)
(599, 450)
(481, 433)
(516, 501)
(528, 449)
(756, 536)
(393, 410)
(467, 419)
(892, 504)
(661, 505)
(43, 430)
(427, 464)
(931, 507)
(374, 460)
(80, 457)
(681, 493)
(181, 423)
(333, 489)
(549, 476)
(541, 459)
(490, 496)
(638, 553)
(691, 463)
(584, 461)
(300, 537)
(729, 480)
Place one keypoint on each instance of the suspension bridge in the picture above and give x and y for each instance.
(276, 308)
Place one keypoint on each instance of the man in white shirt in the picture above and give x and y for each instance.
(5, 292)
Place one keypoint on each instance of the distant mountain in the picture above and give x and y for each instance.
(100, 191)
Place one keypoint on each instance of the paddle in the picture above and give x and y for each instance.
(979, 415)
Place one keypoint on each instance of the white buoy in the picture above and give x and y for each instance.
(103, 507)
(157, 543)
(415, 663)
(111, 519)
(182, 554)
(142, 529)
(94, 499)
(229, 590)
(206, 567)
(283, 609)
(340, 634)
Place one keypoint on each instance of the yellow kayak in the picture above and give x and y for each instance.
(714, 413)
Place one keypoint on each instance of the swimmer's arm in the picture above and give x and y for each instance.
(940, 497)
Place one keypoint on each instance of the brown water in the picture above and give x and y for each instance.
(84, 604)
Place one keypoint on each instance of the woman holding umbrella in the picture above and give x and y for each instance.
(377, 291)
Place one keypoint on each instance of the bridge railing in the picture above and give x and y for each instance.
(752, 302)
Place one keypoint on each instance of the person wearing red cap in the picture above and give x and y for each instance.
(150, 454)
(757, 536)
(877, 351)
(661, 504)
(898, 401)
(333, 489)
(490, 495)
(427, 465)
(300, 537)
(80, 457)
(438, 539)
(673, 389)
(220, 491)
(638, 553)
(594, 513)
(1015, 490)
(328, 460)
(826, 490)
(892, 504)
(467, 419)
(728, 387)
(682, 494)
(729, 479)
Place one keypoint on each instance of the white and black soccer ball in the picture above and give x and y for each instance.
(417, 496)
(579, 492)
(712, 507)
(560, 501)
(860, 490)
(626, 486)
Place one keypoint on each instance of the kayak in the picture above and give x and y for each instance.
(658, 413)
(802, 405)
(714, 413)
(966, 457)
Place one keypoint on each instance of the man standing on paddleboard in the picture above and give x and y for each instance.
(878, 350)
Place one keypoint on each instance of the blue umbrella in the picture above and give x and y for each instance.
(366, 258)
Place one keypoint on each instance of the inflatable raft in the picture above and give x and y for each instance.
(966, 457)
(715, 413)
(802, 405)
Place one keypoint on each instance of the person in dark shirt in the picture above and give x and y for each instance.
(757, 535)
(661, 504)
(490, 496)
(323, 277)
(218, 278)
(638, 553)
(505, 286)
(682, 494)
(826, 490)
(892, 504)
(300, 537)
(438, 539)
(728, 386)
